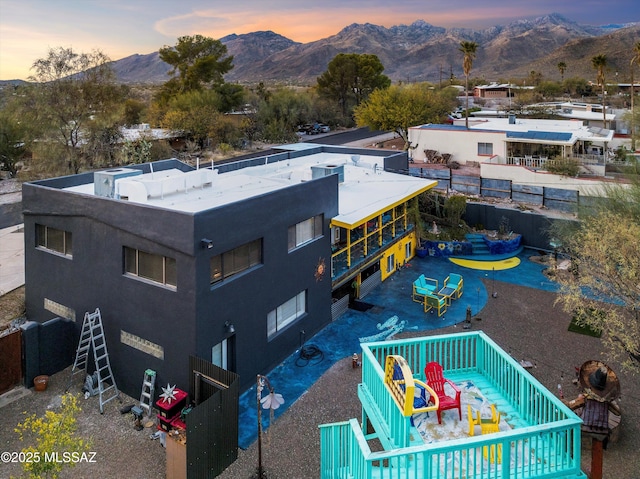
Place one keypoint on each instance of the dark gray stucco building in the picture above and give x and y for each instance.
(229, 267)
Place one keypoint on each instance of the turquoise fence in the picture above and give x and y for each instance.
(546, 444)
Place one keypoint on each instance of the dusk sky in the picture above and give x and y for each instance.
(119, 28)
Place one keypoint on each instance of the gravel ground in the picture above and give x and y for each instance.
(121, 451)
(523, 321)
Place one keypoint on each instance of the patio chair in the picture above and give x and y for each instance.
(422, 287)
(487, 425)
(436, 381)
(432, 301)
(491, 425)
(452, 287)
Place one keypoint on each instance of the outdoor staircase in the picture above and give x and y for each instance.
(478, 245)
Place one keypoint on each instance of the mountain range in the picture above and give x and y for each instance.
(419, 52)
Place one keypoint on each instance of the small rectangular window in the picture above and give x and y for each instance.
(305, 231)
(485, 149)
(237, 260)
(54, 239)
(286, 314)
(153, 267)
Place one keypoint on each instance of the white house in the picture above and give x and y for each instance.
(511, 141)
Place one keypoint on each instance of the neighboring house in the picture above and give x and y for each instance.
(494, 90)
(143, 131)
(590, 114)
(235, 265)
(513, 141)
(499, 90)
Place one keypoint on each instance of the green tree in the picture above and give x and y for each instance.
(605, 257)
(468, 50)
(634, 60)
(72, 94)
(549, 89)
(535, 78)
(599, 62)
(133, 111)
(401, 106)
(562, 67)
(454, 208)
(350, 78)
(279, 116)
(198, 61)
(12, 137)
(136, 151)
(195, 113)
(54, 435)
(231, 96)
(577, 87)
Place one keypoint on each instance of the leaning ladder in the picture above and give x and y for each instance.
(148, 386)
(92, 336)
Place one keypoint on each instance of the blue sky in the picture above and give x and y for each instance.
(119, 28)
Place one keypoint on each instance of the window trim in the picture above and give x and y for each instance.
(43, 243)
(136, 274)
(233, 272)
(281, 324)
(317, 226)
(483, 147)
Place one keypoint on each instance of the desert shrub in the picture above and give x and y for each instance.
(564, 166)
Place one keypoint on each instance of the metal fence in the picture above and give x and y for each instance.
(212, 425)
(553, 198)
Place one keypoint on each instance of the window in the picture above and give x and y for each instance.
(154, 267)
(391, 263)
(54, 240)
(219, 354)
(286, 313)
(485, 148)
(305, 231)
(234, 261)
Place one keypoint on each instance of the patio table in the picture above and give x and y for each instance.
(447, 292)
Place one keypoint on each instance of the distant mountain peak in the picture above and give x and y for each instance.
(415, 52)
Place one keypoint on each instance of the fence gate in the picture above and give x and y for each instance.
(11, 354)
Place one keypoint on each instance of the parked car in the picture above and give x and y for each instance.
(314, 129)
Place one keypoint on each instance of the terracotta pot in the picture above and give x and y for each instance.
(40, 382)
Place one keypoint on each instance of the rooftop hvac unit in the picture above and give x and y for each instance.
(104, 182)
(326, 170)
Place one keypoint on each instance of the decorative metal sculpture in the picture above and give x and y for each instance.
(168, 393)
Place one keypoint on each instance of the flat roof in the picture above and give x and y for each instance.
(530, 130)
(367, 190)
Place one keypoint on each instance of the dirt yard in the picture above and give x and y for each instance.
(121, 451)
(11, 306)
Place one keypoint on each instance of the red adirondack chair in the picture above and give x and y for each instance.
(436, 380)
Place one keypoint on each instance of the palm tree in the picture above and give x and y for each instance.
(468, 49)
(634, 60)
(599, 62)
(562, 67)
